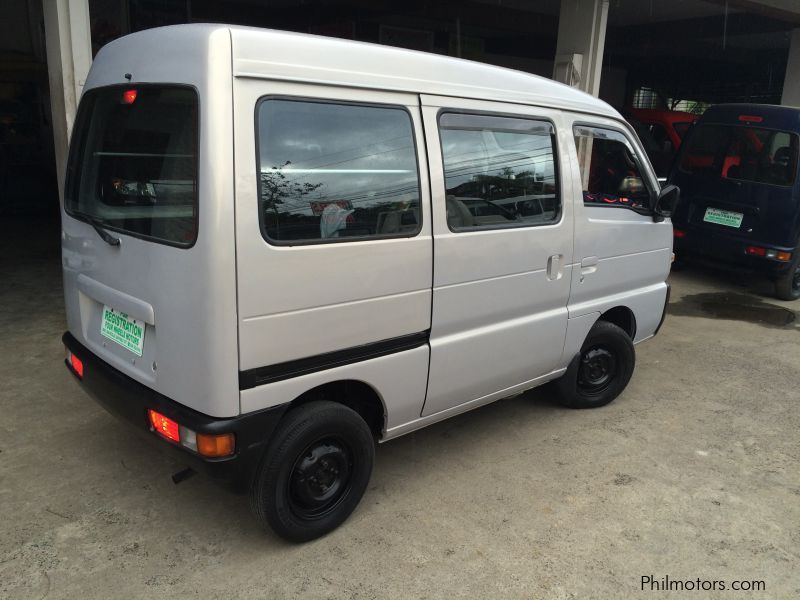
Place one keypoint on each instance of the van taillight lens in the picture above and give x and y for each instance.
(164, 426)
(679, 233)
(210, 446)
(129, 96)
(768, 253)
(76, 364)
(215, 446)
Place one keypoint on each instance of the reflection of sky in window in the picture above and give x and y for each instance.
(364, 155)
(470, 153)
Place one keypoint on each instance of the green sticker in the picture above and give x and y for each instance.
(723, 217)
(120, 328)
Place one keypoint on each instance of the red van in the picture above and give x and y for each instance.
(668, 127)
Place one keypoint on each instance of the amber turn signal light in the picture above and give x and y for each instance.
(215, 446)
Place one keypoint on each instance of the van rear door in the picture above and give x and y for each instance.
(737, 179)
(145, 281)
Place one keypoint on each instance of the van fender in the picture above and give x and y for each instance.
(577, 330)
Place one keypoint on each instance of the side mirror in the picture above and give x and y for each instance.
(667, 201)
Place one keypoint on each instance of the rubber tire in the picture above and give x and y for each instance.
(613, 337)
(299, 428)
(783, 286)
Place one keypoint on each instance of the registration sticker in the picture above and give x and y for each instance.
(723, 217)
(120, 328)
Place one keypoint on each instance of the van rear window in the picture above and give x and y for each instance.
(133, 162)
(742, 153)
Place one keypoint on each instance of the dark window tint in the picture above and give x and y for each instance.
(332, 172)
(681, 128)
(661, 136)
(742, 153)
(610, 173)
(499, 171)
(133, 162)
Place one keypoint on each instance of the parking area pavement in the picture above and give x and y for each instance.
(692, 474)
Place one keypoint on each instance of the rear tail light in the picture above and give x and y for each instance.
(211, 446)
(75, 363)
(215, 446)
(164, 426)
(768, 253)
(678, 233)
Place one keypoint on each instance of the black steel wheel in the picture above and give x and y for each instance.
(600, 371)
(597, 370)
(314, 471)
(788, 286)
(320, 478)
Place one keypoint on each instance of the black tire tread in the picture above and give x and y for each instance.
(566, 387)
(293, 427)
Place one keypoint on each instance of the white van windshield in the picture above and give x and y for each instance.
(133, 162)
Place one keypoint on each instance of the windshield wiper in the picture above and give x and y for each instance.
(98, 227)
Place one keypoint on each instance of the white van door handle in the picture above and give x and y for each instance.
(554, 270)
(588, 266)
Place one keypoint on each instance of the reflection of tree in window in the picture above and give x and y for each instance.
(348, 171)
(277, 189)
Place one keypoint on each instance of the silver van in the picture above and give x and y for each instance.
(280, 248)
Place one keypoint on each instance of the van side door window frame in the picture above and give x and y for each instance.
(637, 154)
(554, 160)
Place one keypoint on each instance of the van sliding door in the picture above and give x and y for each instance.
(502, 226)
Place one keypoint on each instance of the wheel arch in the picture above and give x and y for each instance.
(358, 395)
(623, 317)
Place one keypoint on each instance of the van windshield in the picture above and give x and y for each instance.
(742, 153)
(133, 162)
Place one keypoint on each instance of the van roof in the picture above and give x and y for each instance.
(270, 54)
(768, 115)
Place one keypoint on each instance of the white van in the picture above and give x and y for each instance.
(279, 248)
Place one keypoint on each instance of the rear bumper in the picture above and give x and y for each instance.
(129, 400)
(729, 250)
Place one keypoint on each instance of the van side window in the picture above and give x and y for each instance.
(499, 171)
(336, 172)
(610, 173)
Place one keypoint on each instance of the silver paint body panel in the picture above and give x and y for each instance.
(232, 302)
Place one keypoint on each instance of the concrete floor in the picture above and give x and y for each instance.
(691, 473)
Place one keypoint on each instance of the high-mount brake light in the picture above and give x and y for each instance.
(750, 118)
(129, 96)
